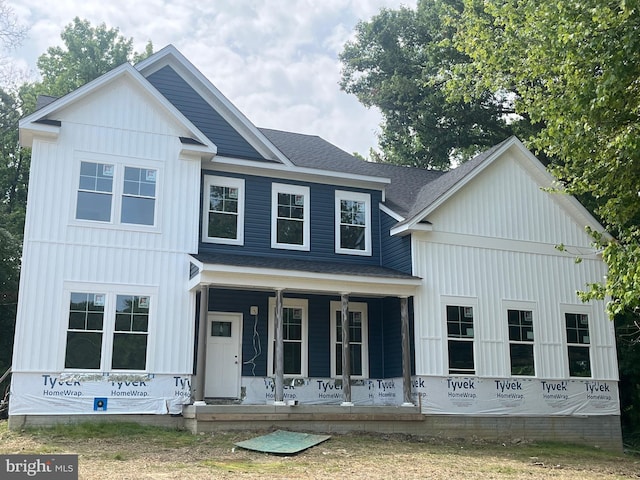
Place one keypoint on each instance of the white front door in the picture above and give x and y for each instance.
(224, 360)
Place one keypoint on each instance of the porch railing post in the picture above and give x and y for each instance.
(201, 358)
(346, 351)
(406, 352)
(279, 351)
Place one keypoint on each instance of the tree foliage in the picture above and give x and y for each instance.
(88, 52)
(400, 62)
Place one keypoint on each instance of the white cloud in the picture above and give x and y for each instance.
(277, 61)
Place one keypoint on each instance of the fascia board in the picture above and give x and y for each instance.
(397, 217)
(299, 281)
(27, 132)
(171, 56)
(235, 165)
(123, 70)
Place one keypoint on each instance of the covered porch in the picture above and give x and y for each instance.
(269, 333)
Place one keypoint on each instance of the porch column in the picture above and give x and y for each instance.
(406, 352)
(279, 351)
(201, 358)
(346, 357)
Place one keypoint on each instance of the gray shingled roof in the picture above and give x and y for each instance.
(333, 268)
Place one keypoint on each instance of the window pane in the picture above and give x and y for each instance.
(138, 210)
(579, 362)
(223, 225)
(521, 359)
(292, 358)
(129, 351)
(290, 231)
(460, 357)
(221, 329)
(83, 350)
(352, 237)
(94, 206)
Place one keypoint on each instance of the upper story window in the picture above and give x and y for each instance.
(95, 192)
(223, 210)
(290, 217)
(105, 188)
(520, 324)
(578, 344)
(353, 223)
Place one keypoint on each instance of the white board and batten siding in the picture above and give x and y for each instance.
(493, 247)
(119, 124)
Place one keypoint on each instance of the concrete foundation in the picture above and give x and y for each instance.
(602, 432)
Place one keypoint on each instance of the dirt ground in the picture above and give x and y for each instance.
(159, 454)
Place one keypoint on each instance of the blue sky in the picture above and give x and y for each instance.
(276, 60)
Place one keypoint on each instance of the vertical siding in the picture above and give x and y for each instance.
(493, 277)
(505, 202)
(119, 122)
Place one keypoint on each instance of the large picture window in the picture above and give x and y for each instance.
(578, 342)
(107, 331)
(294, 330)
(521, 342)
(117, 194)
(353, 223)
(290, 217)
(460, 334)
(358, 339)
(223, 210)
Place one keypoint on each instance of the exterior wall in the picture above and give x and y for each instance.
(396, 251)
(494, 243)
(117, 124)
(257, 223)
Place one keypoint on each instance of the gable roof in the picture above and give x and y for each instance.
(43, 121)
(207, 106)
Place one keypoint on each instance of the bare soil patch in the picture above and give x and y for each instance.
(124, 451)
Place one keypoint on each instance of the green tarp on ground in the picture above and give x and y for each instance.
(283, 442)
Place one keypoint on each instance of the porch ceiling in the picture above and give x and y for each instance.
(266, 273)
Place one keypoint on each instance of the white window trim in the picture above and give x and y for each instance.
(238, 183)
(579, 309)
(521, 305)
(353, 307)
(108, 328)
(304, 355)
(358, 197)
(119, 164)
(277, 188)
(460, 302)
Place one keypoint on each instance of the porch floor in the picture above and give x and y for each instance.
(314, 418)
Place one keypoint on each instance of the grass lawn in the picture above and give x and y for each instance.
(128, 451)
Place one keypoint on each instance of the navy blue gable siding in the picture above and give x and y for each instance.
(201, 114)
(257, 223)
(396, 251)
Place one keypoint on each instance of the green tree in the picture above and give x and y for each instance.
(88, 52)
(400, 62)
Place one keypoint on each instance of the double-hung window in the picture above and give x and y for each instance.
(521, 341)
(223, 210)
(116, 193)
(290, 217)
(578, 342)
(107, 331)
(460, 334)
(353, 223)
(358, 339)
(294, 332)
